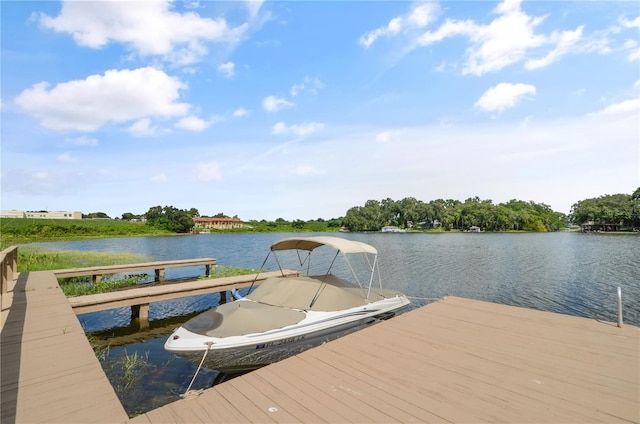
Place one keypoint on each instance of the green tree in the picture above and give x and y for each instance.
(620, 209)
(99, 215)
(170, 218)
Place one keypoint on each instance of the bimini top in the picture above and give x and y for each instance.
(310, 243)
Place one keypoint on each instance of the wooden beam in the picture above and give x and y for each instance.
(157, 293)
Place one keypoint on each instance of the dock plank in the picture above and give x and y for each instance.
(460, 360)
(140, 266)
(455, 360)
(49, 371)
(157, 293)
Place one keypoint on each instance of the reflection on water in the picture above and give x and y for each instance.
(568, 273)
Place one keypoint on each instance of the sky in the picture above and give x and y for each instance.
(304, 109)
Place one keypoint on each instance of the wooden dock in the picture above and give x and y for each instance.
(140, 298)
(159, 267)
(456, 360)
(49, 371)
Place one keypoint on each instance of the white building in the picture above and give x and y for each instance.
(40, 215)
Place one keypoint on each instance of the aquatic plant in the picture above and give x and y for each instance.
(81, 286)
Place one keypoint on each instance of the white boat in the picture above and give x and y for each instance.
(392, 229)
(287, 315)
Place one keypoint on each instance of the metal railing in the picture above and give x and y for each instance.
(619, 307)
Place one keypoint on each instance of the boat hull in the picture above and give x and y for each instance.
(259, 350)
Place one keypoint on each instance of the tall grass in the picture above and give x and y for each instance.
(82, 286)
(34, 259)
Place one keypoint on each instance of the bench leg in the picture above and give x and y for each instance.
(223, 297)
(97, 278)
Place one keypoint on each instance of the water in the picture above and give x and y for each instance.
(568, 273)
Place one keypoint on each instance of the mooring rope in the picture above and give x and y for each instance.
(197, 392)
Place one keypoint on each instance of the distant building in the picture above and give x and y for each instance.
(11, 214)
(597, 226)
(217, 223)
(41, 215)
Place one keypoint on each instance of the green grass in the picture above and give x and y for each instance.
(27, 230)
(82, 286)
(34, 259)
(230, 271)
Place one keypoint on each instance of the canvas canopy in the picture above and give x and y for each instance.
(239, 318)
(311, 243)
(298, 293)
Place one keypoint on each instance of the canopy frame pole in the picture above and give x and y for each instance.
(373, 270)
(323, 283)
(355, 274)
(261, 268)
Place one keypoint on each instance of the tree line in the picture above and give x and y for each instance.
(514, 215)
(623, 209)
(447, 215)
(440, 214)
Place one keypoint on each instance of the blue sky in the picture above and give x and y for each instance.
(302, 110)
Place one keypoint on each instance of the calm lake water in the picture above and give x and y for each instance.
(568, 273)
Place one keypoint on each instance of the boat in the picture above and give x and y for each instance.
(392, 229)
(205, 232)
(286, 315)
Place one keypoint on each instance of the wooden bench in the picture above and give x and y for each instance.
(98, 271)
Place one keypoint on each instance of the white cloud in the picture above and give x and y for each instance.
(301, 130)
(564, 40)
(66, 157)
(240, 112)
(629, 107)
(502, 42)
(306, 170)
(82, 141)
(208, 171)
(509, 38)
(274, 103)
(192, 123)
(159, 178)
(310, 85)
(146, 27)
(117, 96)
(254, 7)
(504, 96)
(143, 128)
(227, 69)
(419, 17)
(388, 136)
(634, 51)
(635, 23)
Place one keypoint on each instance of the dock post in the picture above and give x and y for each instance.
(159, 275)
(619, 307)
(141, 313)
(223, 297)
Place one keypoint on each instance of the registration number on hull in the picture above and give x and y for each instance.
(280, 342)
